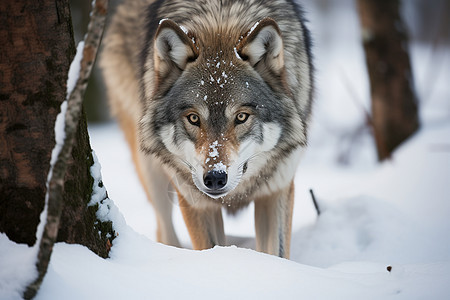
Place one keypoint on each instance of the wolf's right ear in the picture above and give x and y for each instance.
(263, 47)
(173, 48)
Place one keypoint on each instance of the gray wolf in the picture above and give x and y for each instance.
(214, 98)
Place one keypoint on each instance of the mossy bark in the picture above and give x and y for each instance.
(79, 224)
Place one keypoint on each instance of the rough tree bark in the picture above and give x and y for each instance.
(394, 102)
(37, 48)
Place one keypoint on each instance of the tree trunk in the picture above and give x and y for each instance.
(37, 48)
(394, 103)
(36, 52)
(78, 223)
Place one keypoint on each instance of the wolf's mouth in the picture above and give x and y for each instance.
(234, 178)
(234, 174)
(216, 194)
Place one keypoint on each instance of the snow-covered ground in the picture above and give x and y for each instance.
(384, 230)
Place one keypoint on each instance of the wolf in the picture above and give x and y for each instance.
(214, 98)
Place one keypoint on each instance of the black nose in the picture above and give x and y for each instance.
(215, 180)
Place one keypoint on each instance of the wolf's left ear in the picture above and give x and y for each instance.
(173, 48)
(263, 47)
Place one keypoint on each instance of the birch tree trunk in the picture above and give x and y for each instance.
(394, 102)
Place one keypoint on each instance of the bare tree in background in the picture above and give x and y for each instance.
(37, 48)
(394, 102)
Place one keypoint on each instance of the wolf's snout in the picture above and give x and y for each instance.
(215, 180)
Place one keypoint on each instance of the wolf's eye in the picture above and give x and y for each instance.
(241, 118)
(194, 119)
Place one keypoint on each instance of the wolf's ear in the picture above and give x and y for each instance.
(263, 47)
(173, 48)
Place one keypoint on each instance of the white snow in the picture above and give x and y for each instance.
(74, 70)
(253, 28)
(184, 29)
(107, 210)
(214, 153)
(220, 167)
(237, 54)
(98, 189)
(162, 20)
(17, 267)
(374, 216)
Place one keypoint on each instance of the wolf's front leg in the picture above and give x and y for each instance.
(205, 226)
(156, 185)
(273, 222)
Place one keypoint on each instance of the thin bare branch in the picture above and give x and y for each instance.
(72, 117)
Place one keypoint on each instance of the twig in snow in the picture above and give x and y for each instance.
(72, 117)
(316, 205)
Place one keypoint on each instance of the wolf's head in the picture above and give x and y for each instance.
(218, 103)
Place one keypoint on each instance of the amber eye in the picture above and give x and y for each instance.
(241, 118)
(194, 119)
